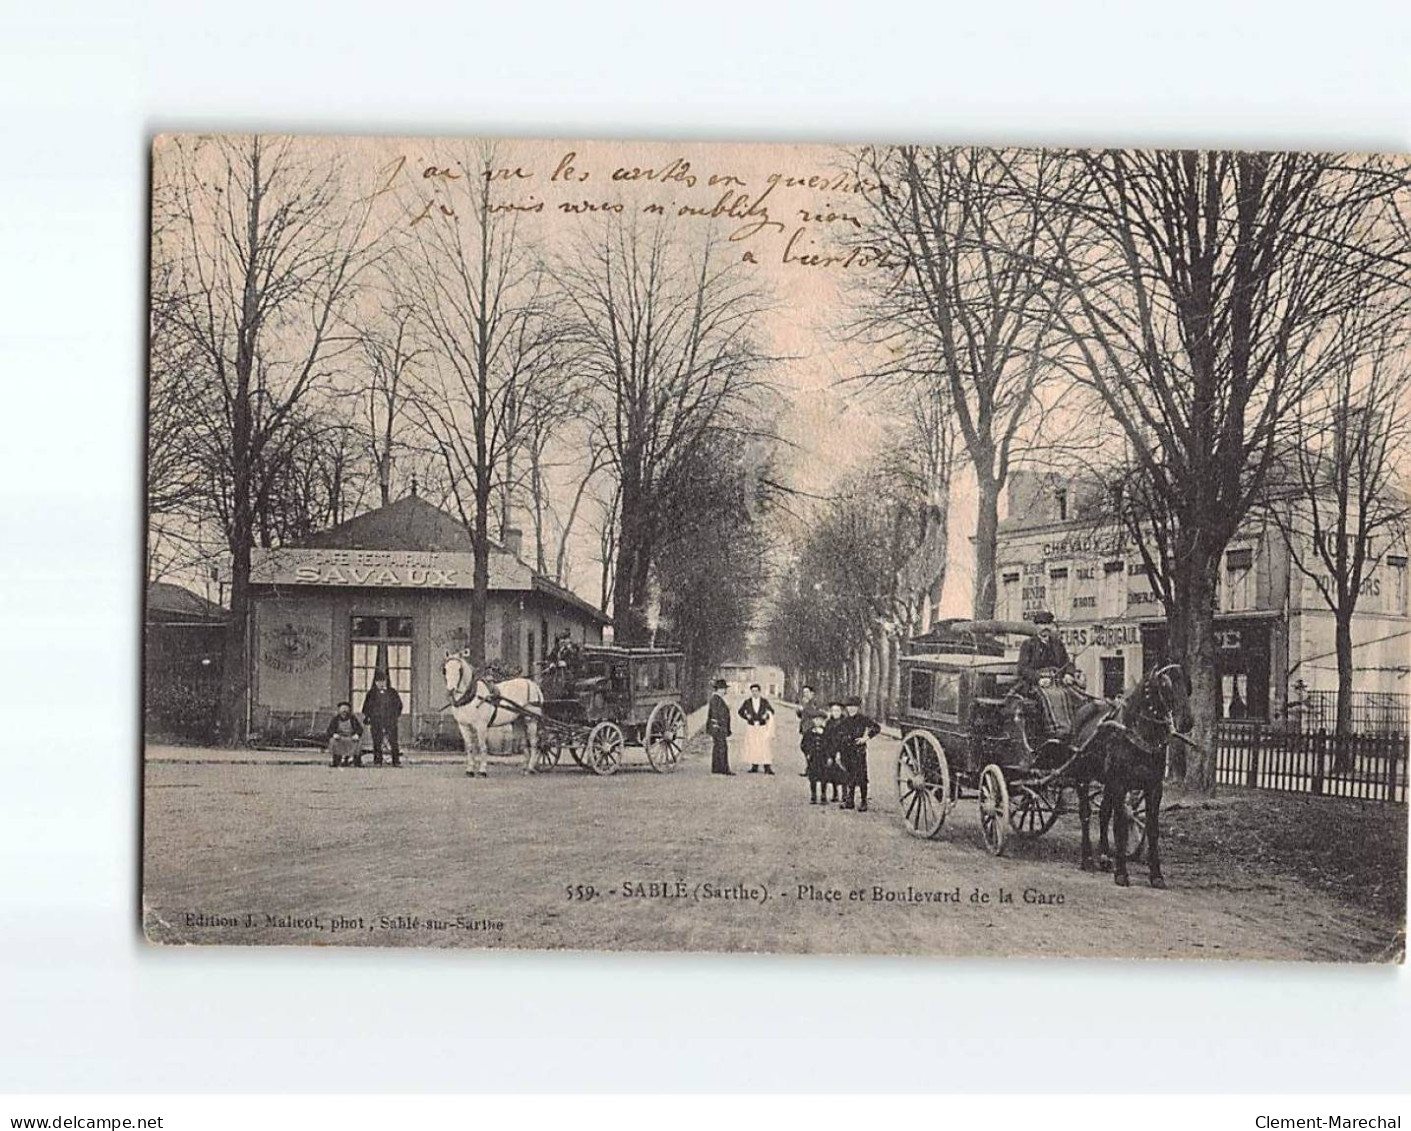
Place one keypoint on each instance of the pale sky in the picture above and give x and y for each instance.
(776, 204)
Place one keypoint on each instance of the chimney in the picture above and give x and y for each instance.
(513, 538)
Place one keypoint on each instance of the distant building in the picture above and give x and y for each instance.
(739, 674)
(392, 589)
(1273, 630)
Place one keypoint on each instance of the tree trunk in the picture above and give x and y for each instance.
(864, 679)
(1343, 726)
(986, 538)
(894, 683)
(1197, 597)
(235, 674)
(480, 594)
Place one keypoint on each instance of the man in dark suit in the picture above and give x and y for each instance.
(382, 706)
(718, 727)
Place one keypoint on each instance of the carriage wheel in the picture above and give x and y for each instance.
(994, 808)
(550, 752)
(1135, 801)
(1032, 812)
(665, 735)
(603, 752)
(923, 784)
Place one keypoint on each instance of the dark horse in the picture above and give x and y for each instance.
(1128, 752)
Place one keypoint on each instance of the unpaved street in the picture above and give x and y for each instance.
(280, 849)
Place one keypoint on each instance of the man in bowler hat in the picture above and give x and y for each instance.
(718, 727)
(381, 708)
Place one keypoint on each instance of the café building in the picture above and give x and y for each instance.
(1274, 633)
(391, 590)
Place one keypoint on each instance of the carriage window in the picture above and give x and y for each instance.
(644, 676)
(947, 693)
(920, 691)
(385, 643)
(669, 675)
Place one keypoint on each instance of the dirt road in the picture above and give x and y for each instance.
(262, 849)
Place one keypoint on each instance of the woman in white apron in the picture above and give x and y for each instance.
(758, 714)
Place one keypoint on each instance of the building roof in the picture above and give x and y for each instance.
(411, 523)
(543, 585)
(169, 603)
(404, 542)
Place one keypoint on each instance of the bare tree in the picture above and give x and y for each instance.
(1342, 506)
(264, 252)
(969, 313)
(1200, 293)
(479, 301)
(665, 334)
(389, 352)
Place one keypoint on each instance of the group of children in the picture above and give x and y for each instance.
(834, 745)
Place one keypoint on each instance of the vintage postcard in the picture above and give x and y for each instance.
(1023, 531)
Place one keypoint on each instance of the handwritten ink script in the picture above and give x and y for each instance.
(795, 218)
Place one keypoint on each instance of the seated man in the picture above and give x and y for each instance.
(345, 736)
(1046, 682)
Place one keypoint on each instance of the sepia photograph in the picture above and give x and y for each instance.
(1024, 530)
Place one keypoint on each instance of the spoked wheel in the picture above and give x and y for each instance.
(923, 784)
(1032, 811)
(1135, 803)
(665, 735)
(603, 752)
(994, 808)
(549, 754)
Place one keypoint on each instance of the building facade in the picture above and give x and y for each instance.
(1274, 632)
(391, 589)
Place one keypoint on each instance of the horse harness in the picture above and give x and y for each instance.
(472, 694)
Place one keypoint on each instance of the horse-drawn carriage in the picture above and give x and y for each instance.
(960, 738)
(601, 700)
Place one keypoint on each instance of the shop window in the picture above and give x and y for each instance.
(1058, 594)
(1114, 589)
(1114, 677)
(1396, 565)
(385, 643)
(1009, 596)
(1239, 580)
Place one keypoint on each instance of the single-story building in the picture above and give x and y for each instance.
(183, 649)
(391, 589)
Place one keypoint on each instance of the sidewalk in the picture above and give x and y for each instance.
(317, 756)
(293, 756)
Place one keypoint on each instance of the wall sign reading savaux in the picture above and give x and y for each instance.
(390, 569)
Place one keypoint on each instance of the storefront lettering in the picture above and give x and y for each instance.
(1078, 636)
(1081, 545)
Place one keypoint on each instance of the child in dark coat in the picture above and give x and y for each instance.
(853, 733)
(815, 755)
(832, 749)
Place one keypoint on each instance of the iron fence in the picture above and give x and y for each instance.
(1369, 767)
(1373, 712)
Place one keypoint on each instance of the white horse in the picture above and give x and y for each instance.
(515, 702)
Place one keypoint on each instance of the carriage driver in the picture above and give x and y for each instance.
(1046, 681)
